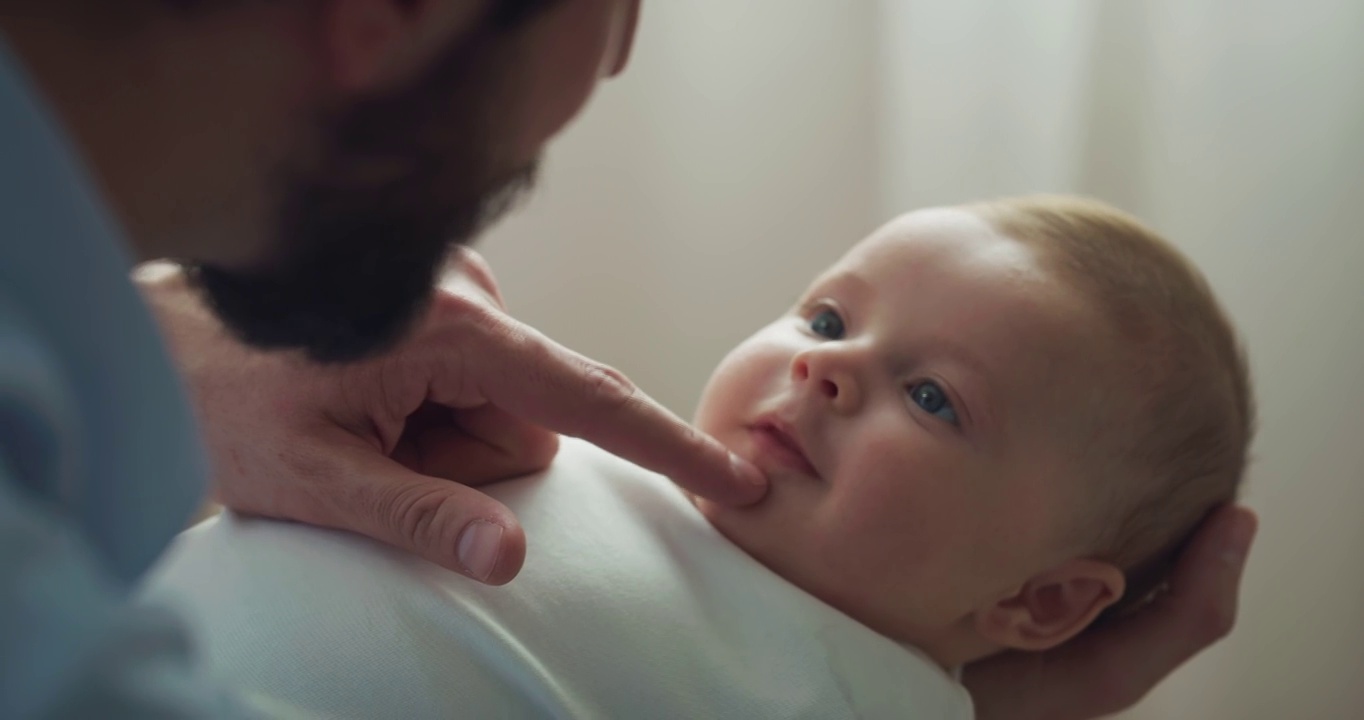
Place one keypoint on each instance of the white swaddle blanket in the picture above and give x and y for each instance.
(630, 605)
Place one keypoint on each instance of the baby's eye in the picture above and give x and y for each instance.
(826, 323)
(931, 398)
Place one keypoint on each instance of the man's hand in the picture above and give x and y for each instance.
(471, 396)
(1110, 669)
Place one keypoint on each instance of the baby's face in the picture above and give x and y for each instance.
(908, 411)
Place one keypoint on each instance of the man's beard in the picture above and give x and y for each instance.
(400, 180)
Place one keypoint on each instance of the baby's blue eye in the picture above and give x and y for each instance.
(931, 398)
(826, 323)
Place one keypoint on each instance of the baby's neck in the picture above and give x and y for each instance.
(951, 651)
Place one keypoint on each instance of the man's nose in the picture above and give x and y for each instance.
(825, 375)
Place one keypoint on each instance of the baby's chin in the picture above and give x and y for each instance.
(706, 507)
(713, 512)
(739, 525)
(725, 520)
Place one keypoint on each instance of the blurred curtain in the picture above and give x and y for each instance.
(751, 142)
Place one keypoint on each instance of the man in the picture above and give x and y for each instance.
(309, 162)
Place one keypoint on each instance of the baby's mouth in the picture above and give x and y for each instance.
(778, 447)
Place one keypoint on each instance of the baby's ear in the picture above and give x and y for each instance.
(1051, 607)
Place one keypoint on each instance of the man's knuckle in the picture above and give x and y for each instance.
(539, 449)
(460, 325)
(478, 268)
(458, 309)
(610, 385)
(417, 515)
(693, 437)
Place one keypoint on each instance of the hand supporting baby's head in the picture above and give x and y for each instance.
(985, 426)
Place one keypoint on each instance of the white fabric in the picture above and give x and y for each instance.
(629, 606)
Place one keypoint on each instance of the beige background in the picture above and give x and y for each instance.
(752, 141)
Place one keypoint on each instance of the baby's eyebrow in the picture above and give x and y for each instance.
(854, 285)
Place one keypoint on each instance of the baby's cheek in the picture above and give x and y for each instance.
(894, 513)
(722, 401)
(783, 522)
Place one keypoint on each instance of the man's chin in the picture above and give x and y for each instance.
(271, 315)
(350, 296)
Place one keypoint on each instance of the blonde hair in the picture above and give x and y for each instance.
(1171, 441)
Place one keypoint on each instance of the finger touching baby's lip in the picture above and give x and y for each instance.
(631, 424)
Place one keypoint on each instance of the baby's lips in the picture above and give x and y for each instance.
(778, 443)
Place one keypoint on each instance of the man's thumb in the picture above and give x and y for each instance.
(452, 525)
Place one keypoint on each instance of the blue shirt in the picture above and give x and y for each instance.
(99, 462)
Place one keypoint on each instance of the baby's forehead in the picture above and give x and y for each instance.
(948, 243)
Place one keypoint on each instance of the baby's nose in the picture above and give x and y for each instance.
(826, 380)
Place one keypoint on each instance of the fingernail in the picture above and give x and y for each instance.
(1240, 537)
(747, 472)
(479, 546)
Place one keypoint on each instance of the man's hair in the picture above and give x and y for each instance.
(1170, 441)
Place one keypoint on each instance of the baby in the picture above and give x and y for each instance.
(986, 427)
